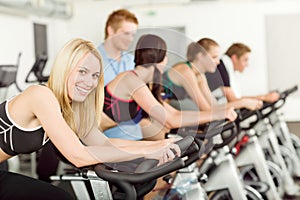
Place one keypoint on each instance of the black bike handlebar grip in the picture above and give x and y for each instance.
(125, 181)
(245, 113)
(185, 143)
(216, 128)
(267, 104)
(264, 112)
(135, 178)
(148, 164)
(211, 129)
(283, 95)
(228, 125)
(287, 92)
(227, 140)
(194, 147)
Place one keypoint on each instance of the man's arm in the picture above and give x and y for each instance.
(269, 97)
(229, 94)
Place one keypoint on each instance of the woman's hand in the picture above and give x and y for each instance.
(163, 151)
(224, 113)
(252, 104)
(230, 114)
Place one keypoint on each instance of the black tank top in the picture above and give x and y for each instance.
(120, 110)
(15, 139)
(219, 78)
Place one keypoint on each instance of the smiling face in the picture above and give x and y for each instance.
(123, 36)
(205, 63)
(83, 78)
(213, 53)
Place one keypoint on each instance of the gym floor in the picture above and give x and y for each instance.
(294, 127)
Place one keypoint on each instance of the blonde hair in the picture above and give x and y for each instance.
(78, 115)
(207, 43)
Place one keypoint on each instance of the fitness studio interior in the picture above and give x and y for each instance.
(226, 123)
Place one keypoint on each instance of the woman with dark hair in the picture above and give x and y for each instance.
(136, 95)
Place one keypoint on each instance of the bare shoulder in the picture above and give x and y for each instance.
(39, 94)
(38, 90)
(34, 100)
(181, 72)
(131, 80)
(182, 68)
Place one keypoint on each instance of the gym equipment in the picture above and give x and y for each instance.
(250, 158)
(103, 182)
(218, 174)
(37, 69)
(8, 75)
(224, 178)
(287, 147)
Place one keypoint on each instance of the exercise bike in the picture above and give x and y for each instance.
(273, 151)
(105, 183)
(219, 163)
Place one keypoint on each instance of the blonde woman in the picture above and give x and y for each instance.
(65, 111)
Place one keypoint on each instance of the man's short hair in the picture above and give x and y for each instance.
(117, 17)
(238, 49)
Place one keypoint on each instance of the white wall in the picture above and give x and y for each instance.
(17, 35)
(226, 22)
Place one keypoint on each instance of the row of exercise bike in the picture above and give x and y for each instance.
(255, 157)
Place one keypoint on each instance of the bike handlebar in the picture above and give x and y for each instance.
(215, 128)
(289, 91)
(244, 114)
(277, 104)
(145, 172)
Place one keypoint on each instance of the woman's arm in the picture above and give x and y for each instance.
(269, 97)
(45, 107)
(229, 94)
(152, 129)
(173, 118)
(185, 77)
(203, 85)
(216, 113)
(119, 147)
(96, 137)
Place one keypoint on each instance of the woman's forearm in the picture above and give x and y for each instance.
(109, 153)
(129, 150)
(123, 143)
